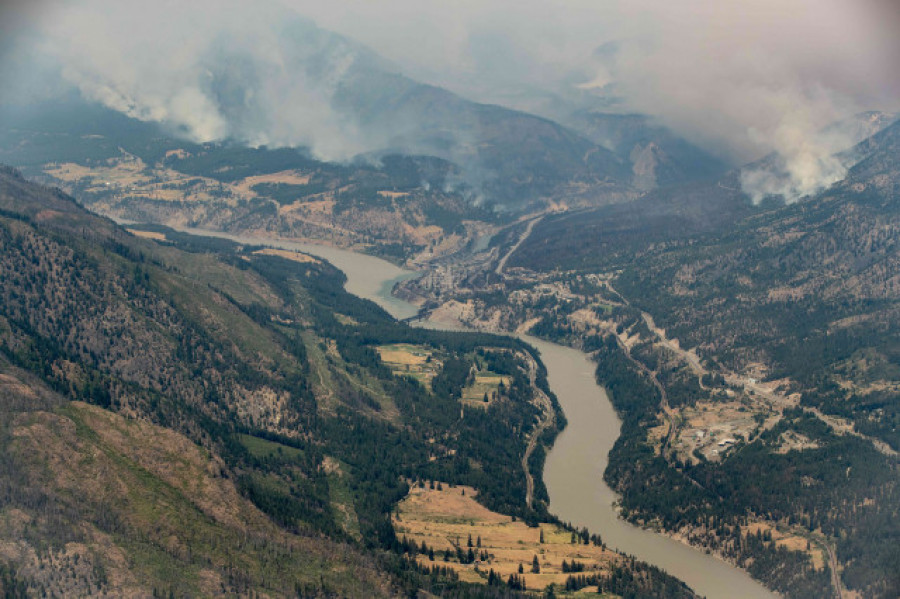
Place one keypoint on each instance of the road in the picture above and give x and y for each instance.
(525, 234)
(547, 421)
(838, 425)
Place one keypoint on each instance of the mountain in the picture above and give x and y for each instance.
(510, 156)
(239, 437)
(140, 499)
(752, 352)
(657, 157)
(393, 205)
(608, 236)
(875, 159)
(340, 100)
(810, 290)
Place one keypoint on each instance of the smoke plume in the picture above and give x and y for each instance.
(742, 79)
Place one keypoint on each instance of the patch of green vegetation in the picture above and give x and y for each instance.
(289, 193)
(342, 502)
(261, 448)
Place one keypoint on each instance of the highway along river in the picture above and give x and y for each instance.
(574, 469)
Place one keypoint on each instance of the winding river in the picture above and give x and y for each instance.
(574, 468)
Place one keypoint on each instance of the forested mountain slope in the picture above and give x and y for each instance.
(189, 416)
(811, 290)
(241, 439)
(752, 353)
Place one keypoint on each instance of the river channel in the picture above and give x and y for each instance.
(574, 468)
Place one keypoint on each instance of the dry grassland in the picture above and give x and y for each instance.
(290, 177)
(130, 176)
(789, 541)
(445, 518)
(154, 235)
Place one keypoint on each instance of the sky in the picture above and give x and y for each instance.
(741, 78)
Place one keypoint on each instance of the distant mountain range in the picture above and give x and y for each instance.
(337, 98)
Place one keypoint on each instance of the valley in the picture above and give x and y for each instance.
(710, 412)
(765, 363)
(304, 418)
(575, 464)
(457, 300)
(707, 412)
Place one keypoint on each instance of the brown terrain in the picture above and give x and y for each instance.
(444, 519)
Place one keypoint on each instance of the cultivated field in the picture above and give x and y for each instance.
(417, 361)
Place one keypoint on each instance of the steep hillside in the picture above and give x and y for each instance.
(95, 502)
(237, 362)
(657, 157)
(812, 291)
(610, 236)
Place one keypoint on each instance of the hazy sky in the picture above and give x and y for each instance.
(740, 77)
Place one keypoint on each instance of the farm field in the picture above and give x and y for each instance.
(416, 361)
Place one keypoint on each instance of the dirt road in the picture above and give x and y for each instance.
(525, 234)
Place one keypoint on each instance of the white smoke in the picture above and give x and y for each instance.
(807, 172)
(805, 161)
(743, 79)
(211, 70)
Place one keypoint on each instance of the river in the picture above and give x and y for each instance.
(574, 468)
